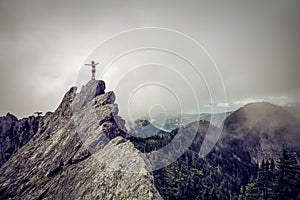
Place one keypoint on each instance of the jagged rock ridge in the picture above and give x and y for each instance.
(15, 133)
(56, 163)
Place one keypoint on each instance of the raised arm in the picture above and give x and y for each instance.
(88, 64)
(97, 64)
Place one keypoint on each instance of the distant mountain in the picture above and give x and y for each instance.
(214, 118)
(263, 129)
(143, 128)
(172, 122)
(294, 109)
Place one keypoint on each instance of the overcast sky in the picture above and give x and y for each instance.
(44, 44)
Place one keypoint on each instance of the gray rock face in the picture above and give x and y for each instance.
(92, 89)
(79, 152)
(15, 133)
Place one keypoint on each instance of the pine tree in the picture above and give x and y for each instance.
(262, 188)
(256, 189)
(271, 180)
(287, 182)
(252, 191)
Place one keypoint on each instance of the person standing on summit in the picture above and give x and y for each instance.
(93, 64)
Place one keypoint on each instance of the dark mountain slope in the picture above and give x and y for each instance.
(262, 129)
(252, 133)
(219, 175)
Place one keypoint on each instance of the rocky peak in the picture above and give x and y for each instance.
(88, 92)
(79, 152)
(15, 133)
(10, 117)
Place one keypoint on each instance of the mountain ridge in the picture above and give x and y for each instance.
(83, 151)
(69, 156)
